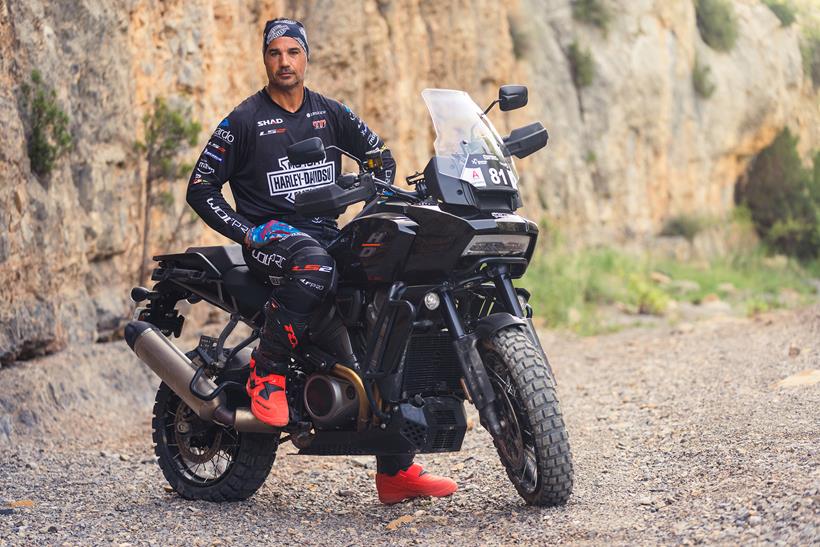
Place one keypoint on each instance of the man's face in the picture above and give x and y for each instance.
(285, 63)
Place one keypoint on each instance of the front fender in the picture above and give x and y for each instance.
(488, 326)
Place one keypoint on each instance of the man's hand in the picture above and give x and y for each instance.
(273, 230)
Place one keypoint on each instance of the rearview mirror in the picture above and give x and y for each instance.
(525, 140)
(511, 97)
(310, 150)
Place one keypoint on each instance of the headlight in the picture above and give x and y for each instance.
(497, 244)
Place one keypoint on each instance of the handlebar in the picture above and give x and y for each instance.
(413, 196)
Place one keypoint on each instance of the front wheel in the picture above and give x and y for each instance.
(533, 444)
(204, 460)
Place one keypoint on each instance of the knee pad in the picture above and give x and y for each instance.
(311, 277)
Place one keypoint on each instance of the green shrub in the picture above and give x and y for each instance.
(48, 137)
(810, 51)
(520, 36)
(717, 23)
(167, 130)
(687, 226)
(784, 198)
(783, 10)
(702, 80)
(167, 133)
(592, 12)
(581, 64)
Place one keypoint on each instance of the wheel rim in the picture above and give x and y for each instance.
(516, 444)
(202, 453)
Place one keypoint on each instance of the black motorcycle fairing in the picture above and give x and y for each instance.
(461, 198)
(249, 293)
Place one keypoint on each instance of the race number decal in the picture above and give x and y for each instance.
(486, 171)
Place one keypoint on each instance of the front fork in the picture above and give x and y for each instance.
(476, 380)
(478, 384)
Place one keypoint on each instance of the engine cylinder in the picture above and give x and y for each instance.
(331, 402)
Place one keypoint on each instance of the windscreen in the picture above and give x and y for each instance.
(466, 140)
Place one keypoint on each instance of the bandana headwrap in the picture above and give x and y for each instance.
(276, 28)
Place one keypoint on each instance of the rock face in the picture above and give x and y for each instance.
(635, 147)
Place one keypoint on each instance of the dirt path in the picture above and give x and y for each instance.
(679, 436)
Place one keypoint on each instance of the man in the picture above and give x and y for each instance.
(248, 148)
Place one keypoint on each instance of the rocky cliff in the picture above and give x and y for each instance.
(631, 149)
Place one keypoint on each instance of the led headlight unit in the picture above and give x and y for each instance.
(497, 244)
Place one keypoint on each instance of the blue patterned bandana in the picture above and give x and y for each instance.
(276, 28)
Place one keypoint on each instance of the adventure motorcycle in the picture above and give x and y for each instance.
(424, 318)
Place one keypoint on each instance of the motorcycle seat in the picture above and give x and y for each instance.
(223, 258)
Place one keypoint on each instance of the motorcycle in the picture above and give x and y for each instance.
(425, 318)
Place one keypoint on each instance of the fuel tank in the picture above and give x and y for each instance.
(374, 248)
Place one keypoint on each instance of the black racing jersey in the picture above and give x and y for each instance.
(248, 148)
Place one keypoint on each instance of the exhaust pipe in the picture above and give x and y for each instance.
(177, 371)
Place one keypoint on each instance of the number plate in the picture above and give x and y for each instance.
(486, 171)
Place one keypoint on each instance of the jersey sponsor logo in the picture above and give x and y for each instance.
(223, 134)
(225, 123)
(373, 139)
(291, 181)
(272, 121)
(197, 179)
(204, 168)
(317, 113)
(212, 155)
(319, 124)
(277, 131)
(220, 149)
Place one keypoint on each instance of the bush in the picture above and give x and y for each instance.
(717, 23)
(521, 37)
(167, 132)
(48, 137)
(582, 65)
(810, 51)
(783, 10)
(784, 198)
(591, 12)
(702, 80)
(687, 226)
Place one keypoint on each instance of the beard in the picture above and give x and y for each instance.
(286, 84)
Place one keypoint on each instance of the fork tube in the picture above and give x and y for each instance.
(450, 314)
(506, 292)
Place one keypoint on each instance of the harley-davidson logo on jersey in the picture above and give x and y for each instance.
(291, 181)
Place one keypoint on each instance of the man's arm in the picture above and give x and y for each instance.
(358, 139)
(224, 154)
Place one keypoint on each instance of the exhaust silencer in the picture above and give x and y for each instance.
(177, 371)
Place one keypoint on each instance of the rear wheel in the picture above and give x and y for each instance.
(204, 460)
(533, 444)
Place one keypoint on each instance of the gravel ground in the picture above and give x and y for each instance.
(679, 434)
